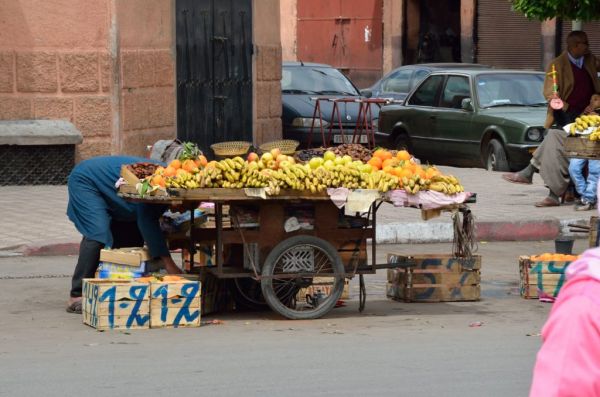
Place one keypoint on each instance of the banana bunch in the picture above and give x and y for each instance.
(595, 135)
(446, 184)
(231, 169)
(582, 123)
(380, 181)
(414, 184)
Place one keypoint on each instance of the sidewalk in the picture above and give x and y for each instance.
(34, 220)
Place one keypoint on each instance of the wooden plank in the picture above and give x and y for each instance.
(103, 323)
(133, 256)
(434, 294)
(122, 308)
(115, 290)
(175, 303)
(324, 288)
(593, 231)
(438, 261)
(186, 289)
(186, 316)
(433, 279)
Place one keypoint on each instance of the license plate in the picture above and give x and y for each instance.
(348, 138)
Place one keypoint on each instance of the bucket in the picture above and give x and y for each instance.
(564, 245)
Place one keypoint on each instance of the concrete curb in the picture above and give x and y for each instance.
(397, 233)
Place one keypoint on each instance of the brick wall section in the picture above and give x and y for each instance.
(147, 98)
(61, 84)
(268, 94)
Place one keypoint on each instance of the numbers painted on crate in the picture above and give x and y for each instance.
(538, 270)
(133, 302)
(188, 312)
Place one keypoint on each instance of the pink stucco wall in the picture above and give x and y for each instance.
(54, 64)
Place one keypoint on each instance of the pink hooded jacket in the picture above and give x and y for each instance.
(568, 363)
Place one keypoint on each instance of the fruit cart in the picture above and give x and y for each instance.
(298, 248)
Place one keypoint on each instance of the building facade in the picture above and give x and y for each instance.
(418, 31)
(110, 67)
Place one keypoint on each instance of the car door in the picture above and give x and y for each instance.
(422, 105)
(452, 124)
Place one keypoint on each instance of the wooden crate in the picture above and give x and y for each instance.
(175, 303)
(435, 278)
(582, 147)
(116, 304)
(546, 276)
(133, 256)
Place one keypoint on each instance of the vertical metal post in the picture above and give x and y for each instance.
(219, 226)
(373, 241)
(192, 241)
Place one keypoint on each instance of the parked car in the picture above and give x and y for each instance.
(472, 117)
(400, 81)
(301, 83)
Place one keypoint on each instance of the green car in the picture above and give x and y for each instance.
(486, 118)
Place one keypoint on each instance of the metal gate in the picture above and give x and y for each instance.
(214, 71)
(506, 39)
(346, 34)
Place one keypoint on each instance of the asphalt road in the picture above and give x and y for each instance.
(392, 348)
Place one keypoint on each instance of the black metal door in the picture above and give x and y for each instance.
(214, 71)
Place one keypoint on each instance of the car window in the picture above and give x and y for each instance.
(316, 80)
(456, 89)
(427, 93)
(510, 89)
(419, 76)
(397, 82)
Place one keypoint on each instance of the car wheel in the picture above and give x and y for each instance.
(402, 142)
(496, 157)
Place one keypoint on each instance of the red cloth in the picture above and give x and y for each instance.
(583, 91)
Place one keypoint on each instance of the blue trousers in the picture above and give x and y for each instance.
(585, 188)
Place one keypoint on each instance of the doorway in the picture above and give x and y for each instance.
(214, 71)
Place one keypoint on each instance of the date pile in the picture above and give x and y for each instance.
(142, 170)
(354, 150)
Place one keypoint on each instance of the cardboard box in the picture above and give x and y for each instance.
(435, 278)
(541, 276)
(112, 271)
(116, 304)
(133, 256)
(175, 303)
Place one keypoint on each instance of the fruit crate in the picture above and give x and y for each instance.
(175, 303)
(435, 278)
(116, 304)
(537, 277)
(582, 147)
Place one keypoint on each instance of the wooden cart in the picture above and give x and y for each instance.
(302, 271)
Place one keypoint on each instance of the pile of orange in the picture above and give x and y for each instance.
(401, 165)
(546, 257)
(177, 167)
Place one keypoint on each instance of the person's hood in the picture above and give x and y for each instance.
(588, 265)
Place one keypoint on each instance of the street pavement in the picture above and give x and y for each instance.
(391, 348)
(34, 221)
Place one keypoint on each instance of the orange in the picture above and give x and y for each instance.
(157, 180)
(170, 171)
(201, 161)
(403, 155)
(375, 162)
(391, 162)
(175, 164)
(382, 154)
(389, 170)
(189, 165)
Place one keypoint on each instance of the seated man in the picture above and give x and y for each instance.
(107, 220)
(577, 80)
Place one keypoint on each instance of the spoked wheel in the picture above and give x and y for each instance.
(305, 278)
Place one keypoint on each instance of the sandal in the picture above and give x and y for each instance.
(74, 307)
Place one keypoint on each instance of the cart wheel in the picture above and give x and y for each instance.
(302, 298)
(247, 294)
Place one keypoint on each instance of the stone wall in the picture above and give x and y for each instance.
(267, 71)
(54, 64)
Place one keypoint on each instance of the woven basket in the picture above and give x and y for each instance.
(287, 146)
(231, 149)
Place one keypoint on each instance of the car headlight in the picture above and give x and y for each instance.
(535, 134)
(307, 122)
